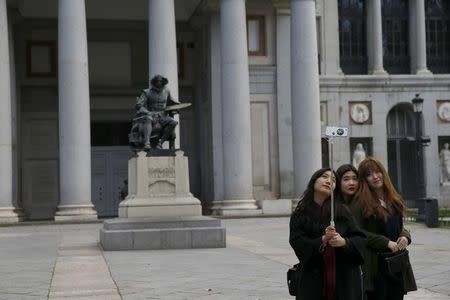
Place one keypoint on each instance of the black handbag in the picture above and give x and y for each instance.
(293, 278)
(397, 267)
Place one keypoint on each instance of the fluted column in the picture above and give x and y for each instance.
(304, 93)
(162, 46)
(8, 212)
(236, 126)
(331, 57)
(375, 38)
(74, 115)
(419, 38)
(284, 106)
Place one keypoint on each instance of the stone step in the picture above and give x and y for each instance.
(162, 233)
(160, 222)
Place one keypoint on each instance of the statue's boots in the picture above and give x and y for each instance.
(168, 131)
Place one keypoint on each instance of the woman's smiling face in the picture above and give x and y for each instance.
(375, 179)
(323, 183)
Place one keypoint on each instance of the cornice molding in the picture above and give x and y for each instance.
(281, 5)
(212, 5)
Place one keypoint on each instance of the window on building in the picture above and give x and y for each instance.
(395, 16)
(352, 36)
(438, 35)
(256, 35)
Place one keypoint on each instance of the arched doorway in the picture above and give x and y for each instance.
(401, 144)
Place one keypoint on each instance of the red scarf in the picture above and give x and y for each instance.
(329, 266)
(329, 270)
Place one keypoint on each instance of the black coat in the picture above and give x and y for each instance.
(377, 240)
(306, 230)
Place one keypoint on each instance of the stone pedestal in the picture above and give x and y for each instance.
(159, 186)
(159, 211)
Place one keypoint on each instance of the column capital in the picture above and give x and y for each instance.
(211, 5)
(281, 4)
(318, 4)
(282, 7)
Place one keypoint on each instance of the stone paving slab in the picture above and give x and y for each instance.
(81, 271)
(65, 262)
(254, 264)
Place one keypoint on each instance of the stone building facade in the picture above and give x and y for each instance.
(265, 78)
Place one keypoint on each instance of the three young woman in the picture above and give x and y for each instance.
(378, 210)
(325, 251)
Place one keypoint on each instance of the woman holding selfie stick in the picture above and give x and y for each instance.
(325, 251)
(379, 210)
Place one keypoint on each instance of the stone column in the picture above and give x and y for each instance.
(236, 126)
(375, 38)
(8, 212)
(331, 59)
(74, 115)
(162, 47)
(304, 93)
(420, 40)
(284, 106)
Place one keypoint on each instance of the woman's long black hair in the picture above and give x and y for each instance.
(308, 195)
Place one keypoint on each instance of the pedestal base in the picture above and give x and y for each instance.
(76, 213)
(175, 232)
(160, 206)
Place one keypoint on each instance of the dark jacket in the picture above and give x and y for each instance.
(306, 230)
(377, 242)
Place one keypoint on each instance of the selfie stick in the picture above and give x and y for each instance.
(330, 148)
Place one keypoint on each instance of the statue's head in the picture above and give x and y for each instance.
(158, 81)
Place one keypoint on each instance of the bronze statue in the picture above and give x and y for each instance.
(154, 122)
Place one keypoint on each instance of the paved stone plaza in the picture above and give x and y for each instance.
(64, 262)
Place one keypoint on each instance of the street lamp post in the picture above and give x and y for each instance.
(428, 207)
(418, 107)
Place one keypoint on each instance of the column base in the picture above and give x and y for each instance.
(276, 207)
(11, 215)
(424, 72)
(378, 72)
(76, 213)
(235, 208)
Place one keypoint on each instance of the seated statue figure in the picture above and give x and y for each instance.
(153, 124)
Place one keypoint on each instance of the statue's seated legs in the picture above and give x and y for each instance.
(168, 125)
(140, 133)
